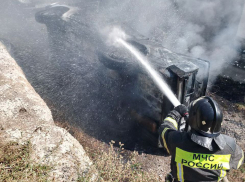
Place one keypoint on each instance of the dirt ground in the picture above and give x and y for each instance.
(233, 125)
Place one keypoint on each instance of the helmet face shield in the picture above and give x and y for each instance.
(205, 116)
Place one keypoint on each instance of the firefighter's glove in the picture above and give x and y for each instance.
(182, 110)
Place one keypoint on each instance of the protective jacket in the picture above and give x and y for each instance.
(196, 157)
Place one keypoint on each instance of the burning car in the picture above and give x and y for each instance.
(74, 38)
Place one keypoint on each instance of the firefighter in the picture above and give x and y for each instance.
(200, 153)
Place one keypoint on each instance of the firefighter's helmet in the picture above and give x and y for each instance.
(205, 117)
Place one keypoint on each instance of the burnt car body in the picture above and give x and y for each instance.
(121, 80)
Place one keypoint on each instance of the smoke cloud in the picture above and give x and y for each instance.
(204, 29)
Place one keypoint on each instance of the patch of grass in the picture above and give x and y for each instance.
(110, 163)
(237, 175)
(242, 168)
(16, 166)
(111, 166)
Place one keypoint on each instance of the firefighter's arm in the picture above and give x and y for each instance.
(170, 123)
(237, 158)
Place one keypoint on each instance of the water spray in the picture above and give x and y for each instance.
(153, 74)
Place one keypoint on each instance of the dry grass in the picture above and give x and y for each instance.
(110, 163)
(111, 166)
(16, 166)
